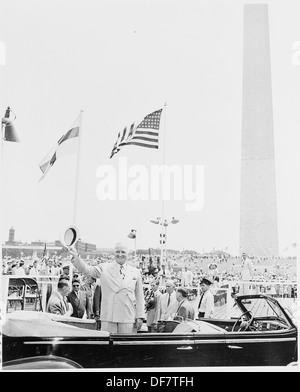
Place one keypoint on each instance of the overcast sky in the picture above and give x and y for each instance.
(118, 61)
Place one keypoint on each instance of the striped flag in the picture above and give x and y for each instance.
(65, 145)
(142, 134)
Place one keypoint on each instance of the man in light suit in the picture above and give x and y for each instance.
(185, 309)
(57, 303)
(80, 301)
(167, 304)
(50, 270)
(122, 304)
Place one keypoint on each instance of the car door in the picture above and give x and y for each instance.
(266, 348)
(168, 350)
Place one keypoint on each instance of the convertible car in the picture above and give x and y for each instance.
(262, 333)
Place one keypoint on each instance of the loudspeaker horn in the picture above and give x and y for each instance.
(10, 134)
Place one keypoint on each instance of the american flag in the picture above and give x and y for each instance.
(142, 134)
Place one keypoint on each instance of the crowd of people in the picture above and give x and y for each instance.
(120, 292)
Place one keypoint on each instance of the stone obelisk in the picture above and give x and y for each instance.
(258, 209)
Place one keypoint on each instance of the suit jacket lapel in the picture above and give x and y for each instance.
(75, 299)
(115, 276)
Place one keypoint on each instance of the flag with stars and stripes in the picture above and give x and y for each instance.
(64, 146)
(140, 133)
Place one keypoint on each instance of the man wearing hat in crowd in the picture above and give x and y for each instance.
(206, 303)
(185, 308)
(65, 270)
(122, 303)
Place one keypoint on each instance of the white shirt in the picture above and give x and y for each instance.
(19, 271)
(207, 304)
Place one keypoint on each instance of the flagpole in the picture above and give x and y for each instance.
(1, 184)
(163, 191)
(77, 183)
(77, 170)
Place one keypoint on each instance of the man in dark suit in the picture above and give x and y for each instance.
(185, 309)
(80, 301)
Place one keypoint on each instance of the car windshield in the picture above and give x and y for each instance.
(264, 308)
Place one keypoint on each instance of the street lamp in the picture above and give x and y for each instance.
(163, 240)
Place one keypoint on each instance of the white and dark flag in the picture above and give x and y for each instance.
(140, 133)
(67, 144)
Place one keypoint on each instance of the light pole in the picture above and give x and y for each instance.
(163, 236)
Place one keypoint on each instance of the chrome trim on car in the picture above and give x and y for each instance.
(260, 340)
(152, 342)
(208, 341)
(94, 342)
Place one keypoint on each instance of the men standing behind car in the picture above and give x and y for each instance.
(57, 303)
(122, 303)
(80, 301)
(152, 305)
(206, 303)
(185, 309)
(167, 304)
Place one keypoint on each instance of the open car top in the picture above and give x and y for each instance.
(39, 324)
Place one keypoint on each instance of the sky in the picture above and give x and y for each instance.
(118, 61)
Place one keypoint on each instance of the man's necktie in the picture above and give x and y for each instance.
(201, 298)
(169, 299)
(65, 304)
(122, 272)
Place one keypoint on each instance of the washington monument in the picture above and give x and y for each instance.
(258, 209)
